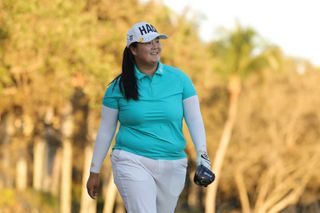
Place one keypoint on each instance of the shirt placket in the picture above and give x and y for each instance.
(150, 86)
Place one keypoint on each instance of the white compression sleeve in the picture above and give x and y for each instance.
(108, 125)
(193, 118)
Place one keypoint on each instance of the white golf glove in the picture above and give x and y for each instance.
(203, 159)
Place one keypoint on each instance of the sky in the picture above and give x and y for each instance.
(290, 24)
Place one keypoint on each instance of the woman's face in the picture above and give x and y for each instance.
(147, 53)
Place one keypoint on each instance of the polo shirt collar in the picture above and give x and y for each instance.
(141, 75)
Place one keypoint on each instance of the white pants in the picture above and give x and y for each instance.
(147, 185)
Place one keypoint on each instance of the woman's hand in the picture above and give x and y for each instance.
(203, 159)
(93, 185)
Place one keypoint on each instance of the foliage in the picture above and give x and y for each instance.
(241, 52)
(27, 201)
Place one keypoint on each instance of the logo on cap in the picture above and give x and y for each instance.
(145, 29)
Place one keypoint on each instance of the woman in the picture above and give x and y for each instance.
(149, 99)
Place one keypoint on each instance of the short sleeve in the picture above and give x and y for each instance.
(188, 87)
(111, 96)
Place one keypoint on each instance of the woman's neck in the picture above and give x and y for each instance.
(148, 69)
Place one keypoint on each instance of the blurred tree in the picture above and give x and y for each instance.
(238, 56)
(275, 147)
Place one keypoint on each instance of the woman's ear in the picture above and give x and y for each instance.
(133, 50)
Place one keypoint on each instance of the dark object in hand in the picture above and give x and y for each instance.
(203, 176)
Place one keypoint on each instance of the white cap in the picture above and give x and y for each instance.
(143, 32)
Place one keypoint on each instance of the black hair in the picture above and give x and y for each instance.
(127, 79)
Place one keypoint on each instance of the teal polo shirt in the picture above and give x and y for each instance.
(152, 126)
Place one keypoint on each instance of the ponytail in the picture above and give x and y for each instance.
(127, 79)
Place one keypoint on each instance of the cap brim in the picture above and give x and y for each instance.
(154, 36)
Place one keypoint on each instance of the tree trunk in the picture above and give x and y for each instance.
(88, 205)
(193, 197)
(120, 206)
(56, 173)
(243, 194)
(110, 196)
(21, 174)
(6, 157)
(66, 175)
(50, 150)
(234, 91)
(38, 162)
(265, 183)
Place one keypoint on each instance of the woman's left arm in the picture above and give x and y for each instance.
(193, 118)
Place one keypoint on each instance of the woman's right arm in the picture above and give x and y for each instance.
(108, 125)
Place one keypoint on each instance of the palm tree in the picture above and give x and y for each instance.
(238, 55)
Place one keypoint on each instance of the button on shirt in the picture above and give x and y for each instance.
(152, 125)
